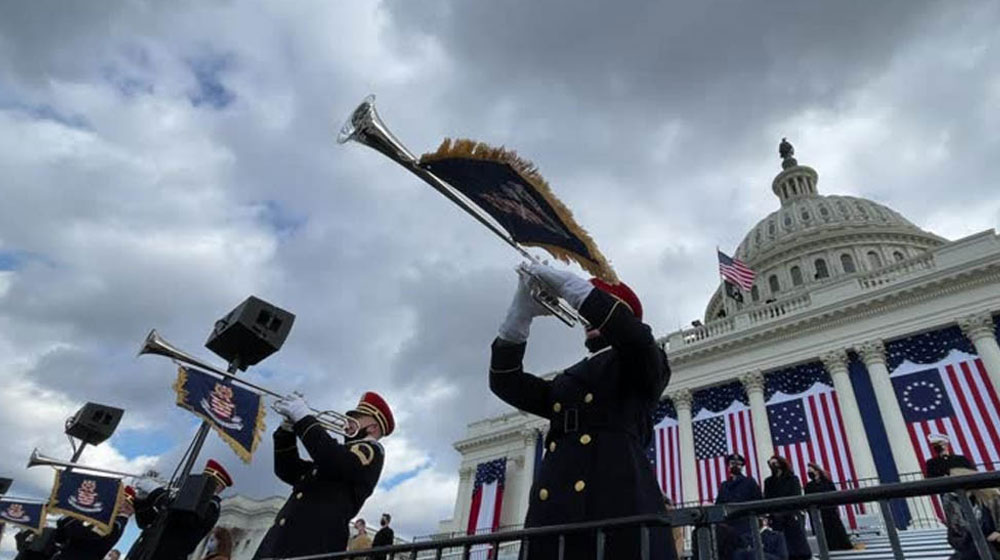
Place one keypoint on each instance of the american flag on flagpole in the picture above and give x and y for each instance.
(807, 427)
(722, 425)
(736, 271)
(487, 502)
(664, 453)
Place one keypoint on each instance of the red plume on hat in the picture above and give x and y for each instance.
(372, 404)
(130, 494)
(623, 293)
(214, 469)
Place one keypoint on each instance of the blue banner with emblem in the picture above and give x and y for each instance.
(30, 515)
(87, 497)
(512, 192)
(235, 413)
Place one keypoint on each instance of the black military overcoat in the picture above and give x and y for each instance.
(327, 492)
(600, 424)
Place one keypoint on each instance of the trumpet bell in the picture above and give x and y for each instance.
(364, 126)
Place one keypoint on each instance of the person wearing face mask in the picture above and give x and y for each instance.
(781, 484)
(943, 460)
(329, 490)
(833, 526)
(738, 488)
(600, 417)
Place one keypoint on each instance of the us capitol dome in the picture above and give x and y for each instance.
(814, 239)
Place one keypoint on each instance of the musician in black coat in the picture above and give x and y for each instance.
(738, 488)
(329, 490)
(833, 526)
(171, 533)
(781, 484)
(78, 540)
(35, 546)
(600, 413)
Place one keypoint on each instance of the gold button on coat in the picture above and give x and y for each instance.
(298, 496)
(281, 522)
(579, 486)
(543, 494)
(552, 446)
(585, 439)
(557, 407)
(588, 398)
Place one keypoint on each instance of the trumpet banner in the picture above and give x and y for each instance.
(513, 192)
(87, 497)
(235, 413)
(30, 515)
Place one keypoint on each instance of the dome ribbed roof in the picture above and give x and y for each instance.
(811, 214)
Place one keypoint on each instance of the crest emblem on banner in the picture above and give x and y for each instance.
(234, 412)
(86, 498)
(16, 514)
(220, 406)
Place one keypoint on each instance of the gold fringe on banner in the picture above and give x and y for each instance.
(102, 528)
(237, 448)
(464, 148)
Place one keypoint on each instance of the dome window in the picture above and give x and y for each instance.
(842, 207)
(788, 220)
(824, 211)
(772, 282)
(805, 215)
(897, 256)
(847, 263)
(796, 276)
(771, 229)
(874, 260)
(821, 270)
(754, 293)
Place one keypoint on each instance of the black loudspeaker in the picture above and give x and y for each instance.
(5, 485)
(94, 423)
(251, 332)
(195, 495)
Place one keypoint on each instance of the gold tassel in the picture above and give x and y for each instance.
(464, 148)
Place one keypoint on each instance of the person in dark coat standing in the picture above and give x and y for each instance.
(328, 491)
(943, 460)
(35, 546)
(781, 484)
(77, 540)
(600, 417)
(833, 526)
(384, 537)
(739, 488)
(170, 533)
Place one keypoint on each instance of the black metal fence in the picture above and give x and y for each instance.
(704, 519)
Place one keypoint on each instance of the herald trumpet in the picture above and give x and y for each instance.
(365, 127)
(39, 460)
(331, 420)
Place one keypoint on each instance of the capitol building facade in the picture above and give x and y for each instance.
(862, 335)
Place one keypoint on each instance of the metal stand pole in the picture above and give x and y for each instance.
(817, 523)
(199, 438)
(890, 529)
(972, 524)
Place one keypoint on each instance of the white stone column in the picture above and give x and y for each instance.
(685, 429)
(526, 462)
(463, 499)
(873, 355)
(979, 328)
(854, 427)
(753, 382)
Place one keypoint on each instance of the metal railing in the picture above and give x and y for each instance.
(703, 519)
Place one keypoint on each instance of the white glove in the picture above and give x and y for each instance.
(522, 310)
(293, 407)
(567, 285)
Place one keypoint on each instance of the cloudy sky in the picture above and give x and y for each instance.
(160, 161)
